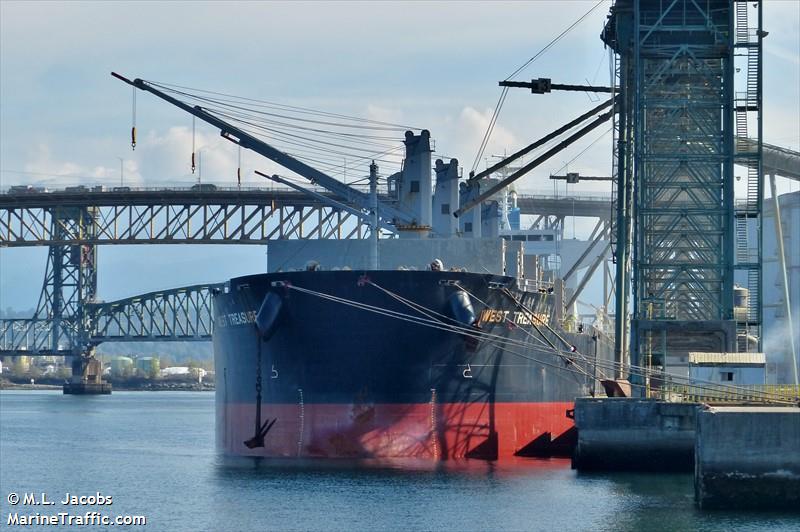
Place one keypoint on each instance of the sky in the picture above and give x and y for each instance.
(64, 120)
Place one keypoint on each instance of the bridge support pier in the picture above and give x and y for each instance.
(87, 376)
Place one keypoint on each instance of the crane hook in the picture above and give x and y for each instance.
(193, 139)
(239, 169)
(133, 120)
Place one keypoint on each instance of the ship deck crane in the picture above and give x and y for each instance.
(387, 213)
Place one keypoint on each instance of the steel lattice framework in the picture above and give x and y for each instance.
(174, 217)
(181, 314)
(675, 195)
(70, 280)
(682, 169)
(26, 336)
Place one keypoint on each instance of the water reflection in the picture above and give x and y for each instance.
(154, 453)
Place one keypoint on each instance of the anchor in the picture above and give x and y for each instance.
(258, 439)
(265, 325)
(260, 429)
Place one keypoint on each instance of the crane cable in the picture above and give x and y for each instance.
(245, 112)
(489, 129)
(294, 129)
(583, 151)
(525, 65)
(428, 312)
(547, 343)
(504, 342)
(291, 108)
(533, 318)
(568, 361)
(469, 332)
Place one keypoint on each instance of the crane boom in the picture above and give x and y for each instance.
(544, 140)
(543, 85)
(245, 140)
(533, 164)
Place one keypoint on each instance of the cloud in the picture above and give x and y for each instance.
(43, 163)
(166, 158)
(474, 124)
(160, 159)
(44, 169)
(460, 136)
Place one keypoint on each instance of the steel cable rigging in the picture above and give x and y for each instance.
(504, 92)
(507, 343)
(333, 142)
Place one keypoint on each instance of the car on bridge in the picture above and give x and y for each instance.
(26, 189)
(204, 187)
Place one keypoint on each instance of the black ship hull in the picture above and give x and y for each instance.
(393, 364)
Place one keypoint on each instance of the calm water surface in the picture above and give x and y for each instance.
(153, 452)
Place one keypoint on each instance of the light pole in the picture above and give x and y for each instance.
(121, 170)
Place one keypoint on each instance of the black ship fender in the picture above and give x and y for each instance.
(461, 308)
(462, 311)
(268, 316)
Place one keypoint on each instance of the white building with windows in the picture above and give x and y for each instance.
(728, 368)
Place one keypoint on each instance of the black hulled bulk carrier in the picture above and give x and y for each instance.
(392, 364)
(446, 338)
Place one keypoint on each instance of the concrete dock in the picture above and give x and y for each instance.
(624, 434)
(748, 458)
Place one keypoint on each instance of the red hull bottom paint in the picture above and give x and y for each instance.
(428, 431)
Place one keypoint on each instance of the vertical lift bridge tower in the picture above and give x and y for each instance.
(689, 80)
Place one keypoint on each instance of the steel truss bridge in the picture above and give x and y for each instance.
(69, 318)
(169, 216)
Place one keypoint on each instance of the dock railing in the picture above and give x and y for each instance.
(731, 394)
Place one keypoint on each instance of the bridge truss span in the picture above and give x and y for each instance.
(172, 217)
(181, 314)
